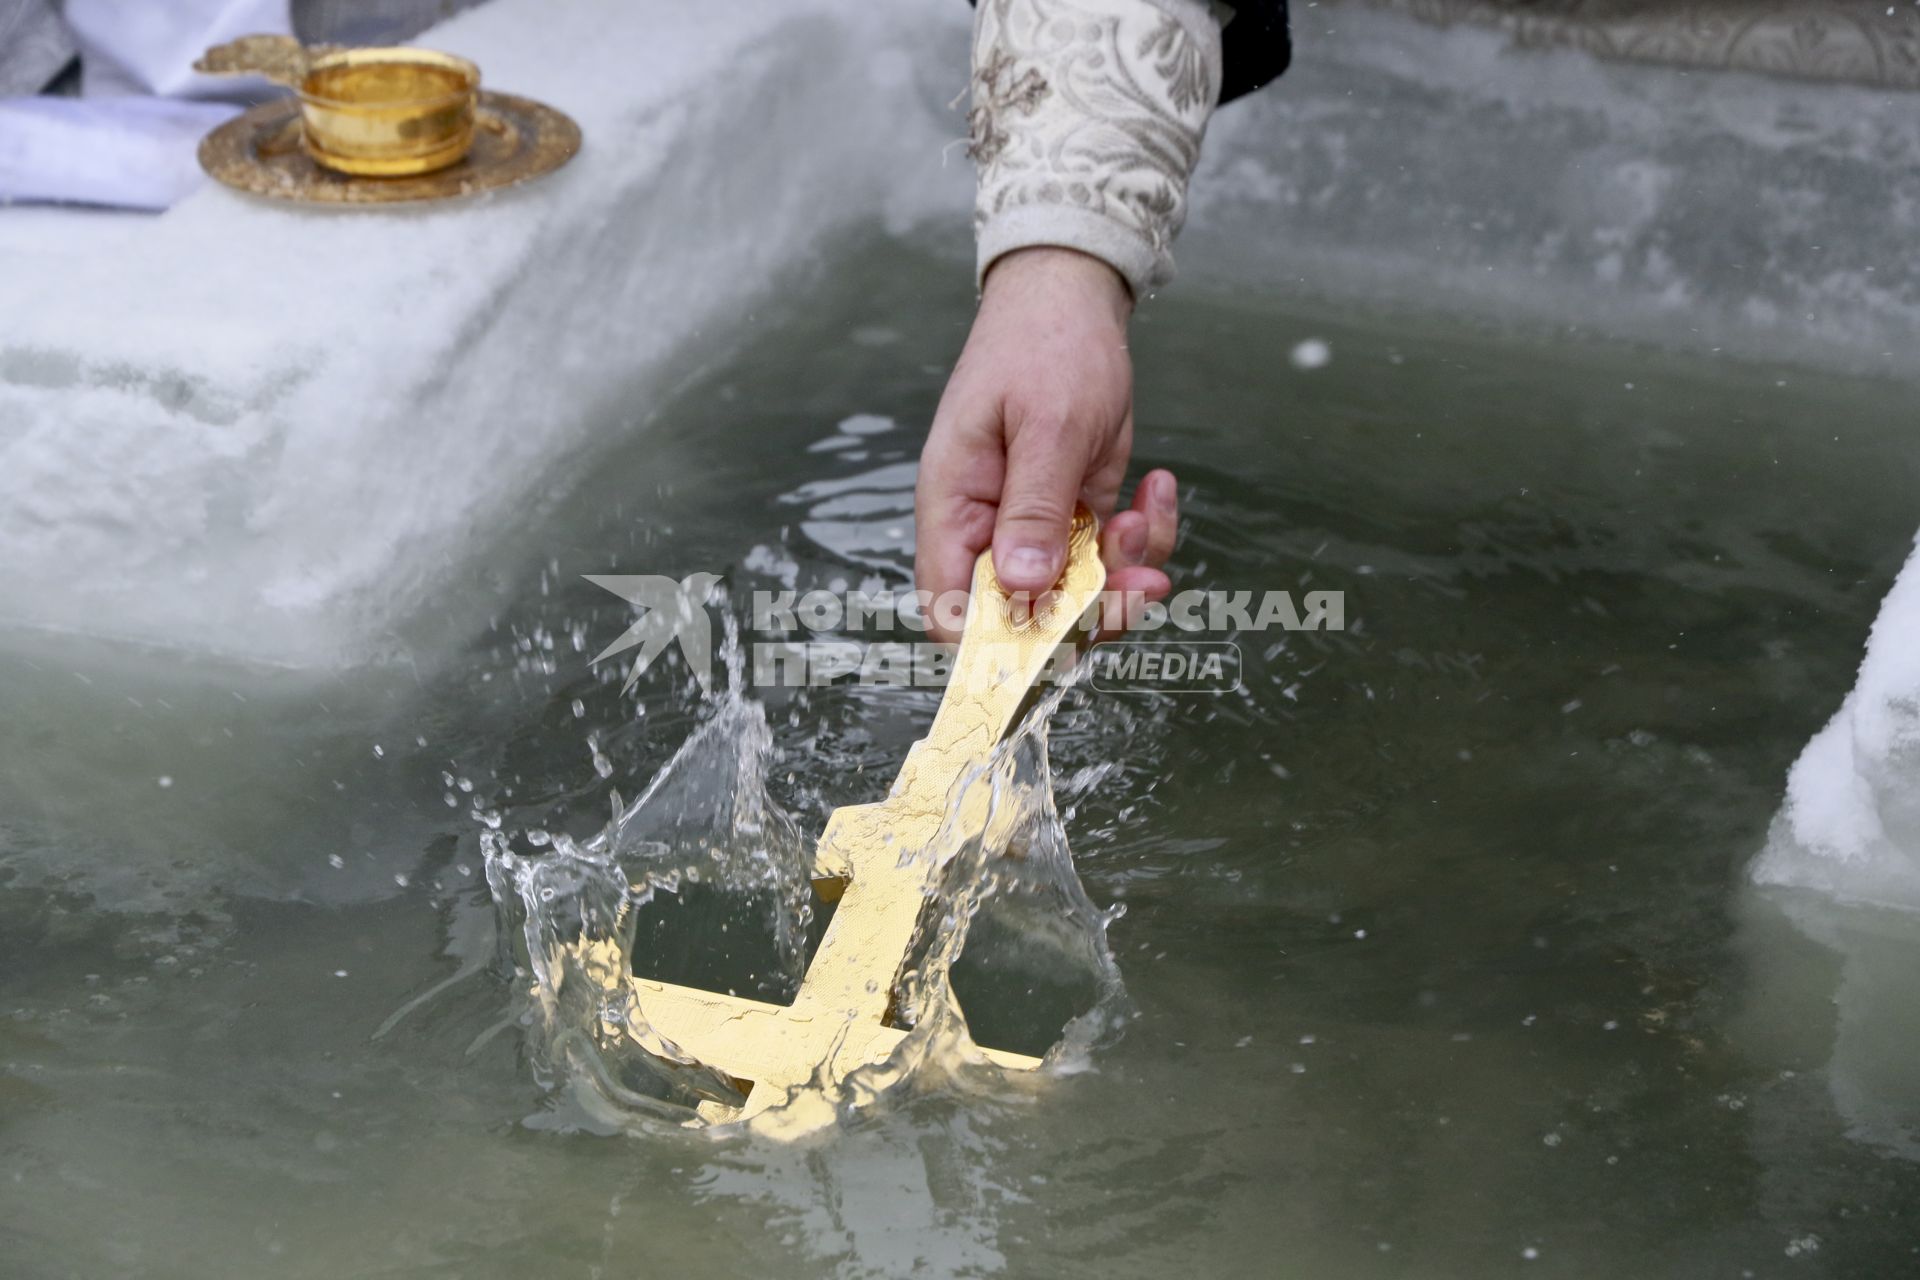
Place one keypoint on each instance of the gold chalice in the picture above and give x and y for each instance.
(367, 113)
(388, 112)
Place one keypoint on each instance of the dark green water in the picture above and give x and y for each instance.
(1439, 935)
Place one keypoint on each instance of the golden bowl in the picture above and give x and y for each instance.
(388, 112)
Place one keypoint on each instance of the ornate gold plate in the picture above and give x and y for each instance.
(872, 861)
(514, 140)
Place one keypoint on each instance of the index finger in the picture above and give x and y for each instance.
(951, 525)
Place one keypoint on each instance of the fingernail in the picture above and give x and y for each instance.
(1133, 543)
(1164, 490)
(1030, 566)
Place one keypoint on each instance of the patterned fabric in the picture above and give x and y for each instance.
(1086, 122)
(34, 46)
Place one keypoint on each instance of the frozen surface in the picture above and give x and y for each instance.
(1442, 169)
(1851, 824)
(273, 432)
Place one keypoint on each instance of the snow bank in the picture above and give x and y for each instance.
(1851, 824)
(271, 432)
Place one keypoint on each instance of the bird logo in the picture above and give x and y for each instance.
(669, 611)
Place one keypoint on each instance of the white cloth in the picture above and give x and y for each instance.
(150, 46)
(130, 140)
(130, 153)
(1086, 123)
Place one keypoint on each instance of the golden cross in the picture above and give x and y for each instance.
(869, 860)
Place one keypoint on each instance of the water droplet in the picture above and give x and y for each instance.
(1311, 353)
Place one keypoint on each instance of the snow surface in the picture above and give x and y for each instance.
(269, 432)
(1851, 824)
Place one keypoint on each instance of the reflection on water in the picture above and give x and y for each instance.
(1831, 990)
(1436, 933)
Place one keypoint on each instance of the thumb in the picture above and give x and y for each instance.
(1044, 473)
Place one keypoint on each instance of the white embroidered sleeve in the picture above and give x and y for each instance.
(1086, 123)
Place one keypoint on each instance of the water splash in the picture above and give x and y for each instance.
(704, 880)
(1009, 886)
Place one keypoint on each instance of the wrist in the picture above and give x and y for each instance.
(1060, 273)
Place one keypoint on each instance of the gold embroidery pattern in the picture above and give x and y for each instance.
(1092, 105)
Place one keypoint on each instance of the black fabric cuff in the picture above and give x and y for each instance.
(1255, 47)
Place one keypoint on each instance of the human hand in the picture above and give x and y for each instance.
(1038, 415)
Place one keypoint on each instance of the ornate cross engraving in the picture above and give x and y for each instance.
(867, 860)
